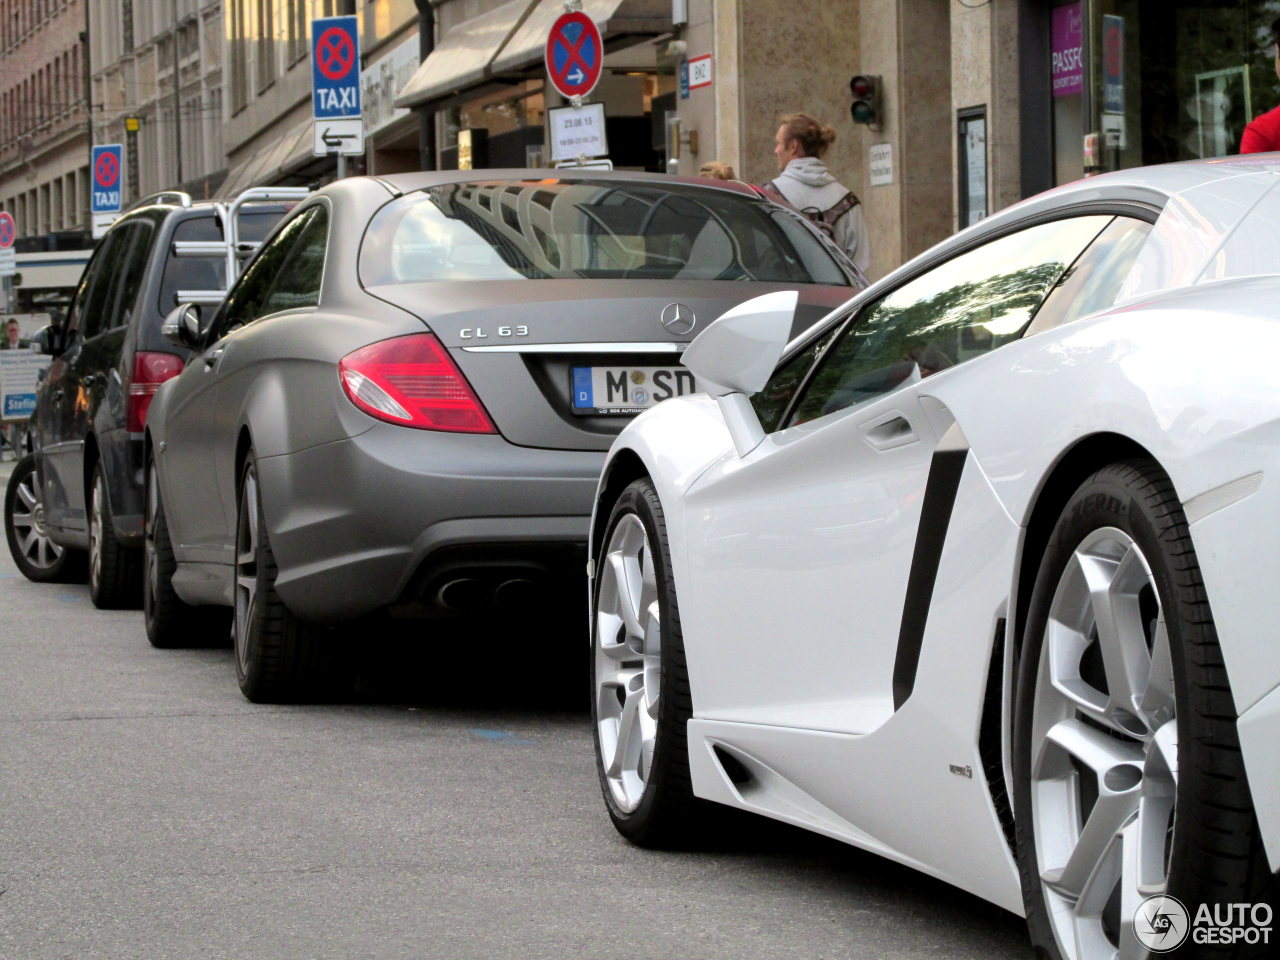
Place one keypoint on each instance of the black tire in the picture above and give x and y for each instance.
(36, 556)
(667, 814)
(279, 658)
(170, 621)
(1212, 847)
(115, 571)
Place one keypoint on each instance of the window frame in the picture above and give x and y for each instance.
(320, 204)
(853, 311)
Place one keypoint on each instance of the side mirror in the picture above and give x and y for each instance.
(735, 357)
(182, 326)
(46, 340)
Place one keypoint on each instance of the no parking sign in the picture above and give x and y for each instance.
(335, 67)
(575, 54)
(107, 164)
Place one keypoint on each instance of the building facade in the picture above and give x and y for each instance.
(157, 84)
(44, 141)
(268, 113)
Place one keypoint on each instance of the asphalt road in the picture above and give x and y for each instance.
(148, 811)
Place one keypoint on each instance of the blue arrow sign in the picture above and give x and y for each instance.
(335, 67)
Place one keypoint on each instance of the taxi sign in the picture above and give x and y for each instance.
(335, 67)
(574, 54)
(106, 166)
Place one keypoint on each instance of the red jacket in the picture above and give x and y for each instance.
(1263, 134)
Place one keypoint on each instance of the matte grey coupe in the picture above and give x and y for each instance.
(404, 403)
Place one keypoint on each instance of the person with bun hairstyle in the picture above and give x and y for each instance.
(805, 183)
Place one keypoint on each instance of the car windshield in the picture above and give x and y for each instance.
(598, 230)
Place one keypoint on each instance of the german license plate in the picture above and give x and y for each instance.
(615, 390)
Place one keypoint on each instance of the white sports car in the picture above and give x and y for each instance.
(977, 573)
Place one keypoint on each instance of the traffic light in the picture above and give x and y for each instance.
(866, 99)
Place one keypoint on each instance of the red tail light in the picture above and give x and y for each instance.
(149, 371)
(413, 381)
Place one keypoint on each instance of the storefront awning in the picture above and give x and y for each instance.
(513, 37)
(613, 17)
(461, 58)
(270, 161)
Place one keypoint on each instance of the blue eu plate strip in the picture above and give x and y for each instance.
(583, 394)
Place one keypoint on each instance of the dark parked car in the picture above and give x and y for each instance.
(405, 400)
(78, 496)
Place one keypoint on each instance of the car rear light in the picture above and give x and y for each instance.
(414, 382)
(149, 371)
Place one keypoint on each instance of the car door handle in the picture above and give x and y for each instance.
(892, 430)
(212, 357)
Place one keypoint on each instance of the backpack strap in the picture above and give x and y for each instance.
(843, 206)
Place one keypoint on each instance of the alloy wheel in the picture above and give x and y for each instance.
(1104, 748)
(246, 567)
(628, 659)
(27, 520)
(95, 531)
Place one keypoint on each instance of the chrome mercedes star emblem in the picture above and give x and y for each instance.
(678, 318)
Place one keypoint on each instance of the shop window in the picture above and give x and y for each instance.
(1157, 81)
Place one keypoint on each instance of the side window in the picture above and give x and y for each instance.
(132, 270)
(1094, 281)
(298, 284)
(92, 319)
(966, 307)
(208, 273)
(247, 299)
(772, 402)
(192, 273)
(93, 270)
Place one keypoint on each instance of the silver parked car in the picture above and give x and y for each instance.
(405, 401)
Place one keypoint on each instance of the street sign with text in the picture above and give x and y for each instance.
(335, 67)
(107, 166)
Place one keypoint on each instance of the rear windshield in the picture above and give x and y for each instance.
(598, 230)
(209, 273)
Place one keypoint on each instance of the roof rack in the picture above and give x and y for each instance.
(163, 196)
(235, 250)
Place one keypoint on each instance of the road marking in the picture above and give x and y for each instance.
(503, 736)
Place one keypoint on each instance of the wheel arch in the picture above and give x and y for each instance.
(622, 469)
(91, 455)
(244, 443)
(1087, 456)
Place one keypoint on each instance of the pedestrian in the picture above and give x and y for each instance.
(1263, 132)
(716, 170)
(805, 183)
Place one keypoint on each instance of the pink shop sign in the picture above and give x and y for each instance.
(1068, 50)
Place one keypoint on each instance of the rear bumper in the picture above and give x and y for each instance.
(393, 515)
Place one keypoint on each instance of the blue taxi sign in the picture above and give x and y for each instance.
(335, 67)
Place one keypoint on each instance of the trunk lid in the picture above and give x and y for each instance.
(518, 342)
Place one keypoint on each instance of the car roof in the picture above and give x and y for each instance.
(408, 182)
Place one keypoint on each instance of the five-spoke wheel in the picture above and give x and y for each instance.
(34, 553)
(640, 683)
(1124, 743)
